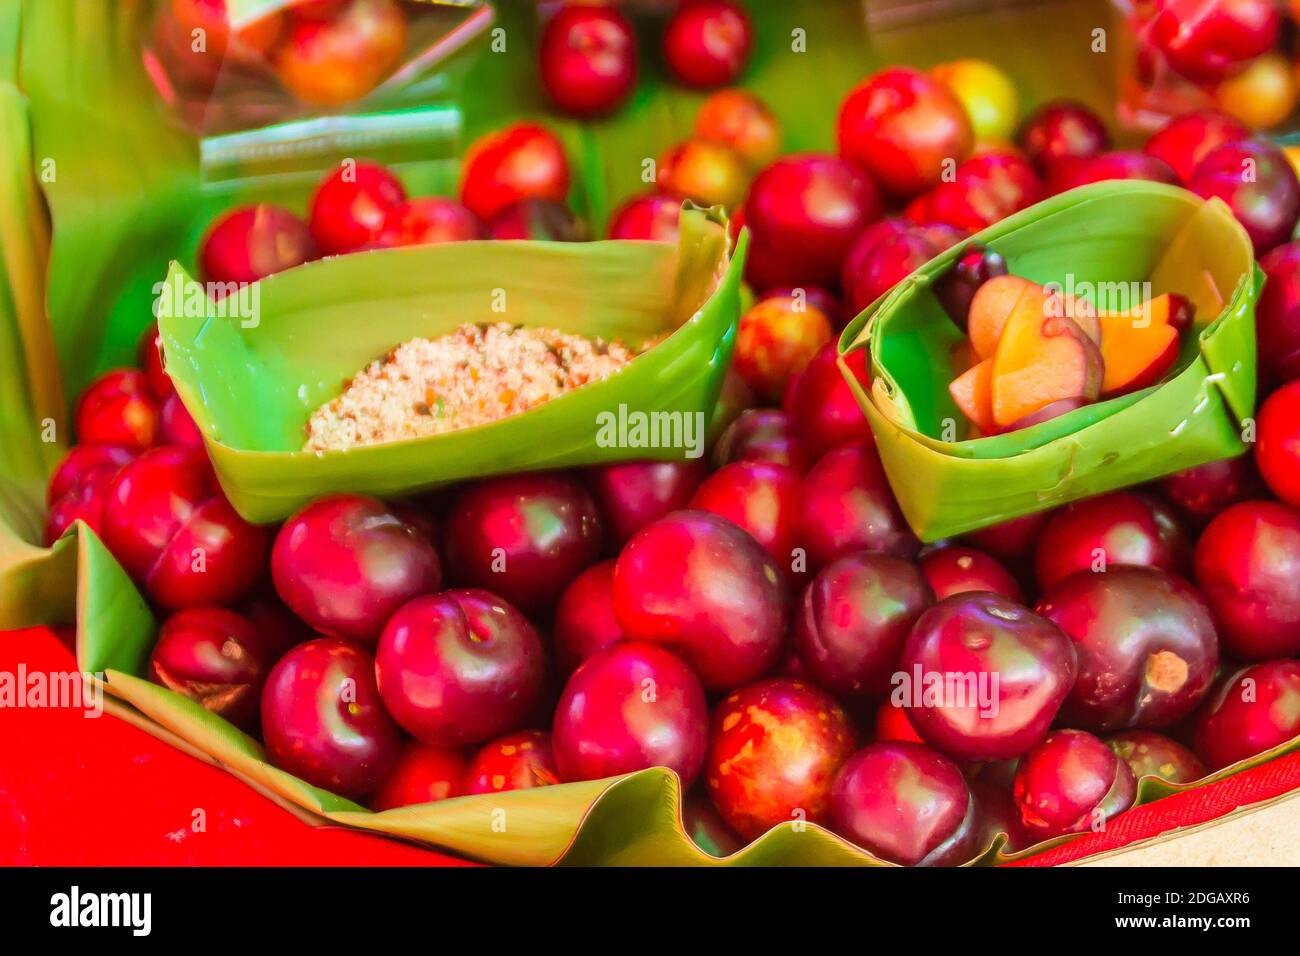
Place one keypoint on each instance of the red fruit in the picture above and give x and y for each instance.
(84, 501)
(652, 217)
(756, 496)
(537, 219)
(762, 434)
(705, 589)
(1149, 754)
(584, 619)
(1145, 644)
(853, 619)
(1277, 317)
(892, 723)
(955, 570)
(632, 494)
(345, 563)
(175, 424)
(804, 212)
(1207, 41)
(83, 461)
(814, 297)
(985, 189)
(350, 206)
(517, 761)
(630, 707)
(848, 506)
(1012, 671)
(322, 719)
(775, 340)
(1249, 712)
(706, 43)
(1248, 566)
(520, 161)
(1013, 539)
(459, 667)
(1121, 164)
(1062, 130)
(332, 61)
(252, 242)
(422, 774)
(822, 407)
(1202, 492)
(1070, 783)
(774, 750)
(956, 288)
(428, 220)
(903, 127)
(739, 119)
(214, 657)
(1121, 527)
(1185, 140)
(276, 628)
(1277, 451)
(168, 524)
(883, 255)
(117, 409)
(905, 804)
(587, 56)
(148, 355)
(1266, 202)
(524, 537)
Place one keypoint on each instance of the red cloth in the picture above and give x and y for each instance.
(79, 792)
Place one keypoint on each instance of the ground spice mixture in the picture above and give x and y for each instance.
(479, 373)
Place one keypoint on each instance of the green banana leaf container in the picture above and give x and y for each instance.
(1159, 239)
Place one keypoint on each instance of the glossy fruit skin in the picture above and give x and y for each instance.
(706, 43)
(759, 497)
(1277, 316)
(629, 707)
(428, 220)
(212, 656)
(537, 219)
(1202, 492)
(1248, 566)
(776, 339)
(1061, 130)
(322, 719)
(1120, 164)
(883, 255)
(804, 211)
(79, 487)
(85, 460)
(853, 618)
(1207, 41)
(520, 161)
(761, 434)
(584, 618)
(1148, 753)
(704, 589)
(774, 750)
(516, 761)
(350, 206)
(1269, 205)
(422, 774)
(587, 59)
(117, 408)
(902, 125)
(332, 61)
(738, 119)
(523, 537)
(956, 569)
(1119, 527)
(252, 242)
(848, 506)
(630, 495)
(1253, 710)
(1277, 451)
(652, 217)
(459, 667)
(345, 563)
(905, 804)
(1069, 783)
(986, 188)
(822, 407)
(168, 524)
(175, 424)
(956, 288)
(1013, 539)
(1185, 140)
(1145, 642)
(892, 723)
(978, 633)
(148, 356)
(813, 297)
